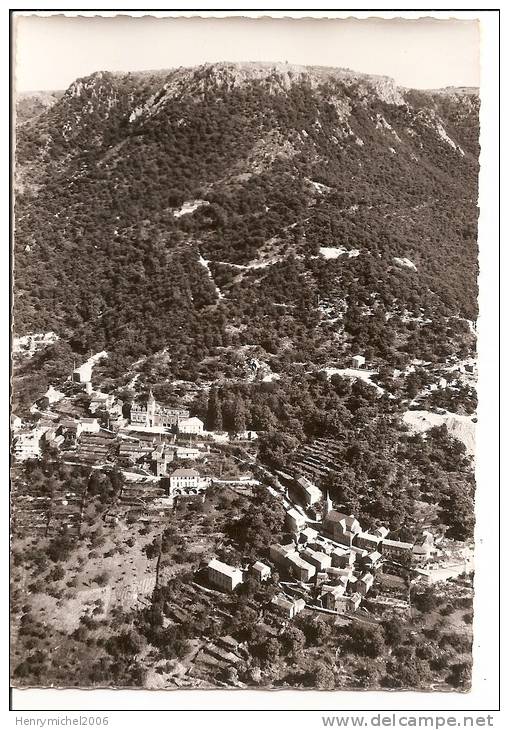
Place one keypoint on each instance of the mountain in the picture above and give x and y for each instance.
(304, 212)
(30, 104)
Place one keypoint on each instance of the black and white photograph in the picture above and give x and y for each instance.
(244, 352)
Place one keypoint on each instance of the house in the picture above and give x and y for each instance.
(288, 606)
(332, 597)
(129, 452)
(381, 532)
(224, 576)
(339, 574)
(53, 395)
(69, 426)
(184, 479)
(153, 414)
(220, 437)
(191, 425)
(340, 527)
(247, 436)
(188, 452)
(300, 568)
(342, 558)
(307, 491)
(27, 445)
(424, 548)
(395, 548)
(294, 520)
(364, 584)
(358, 361)
(320, 560)
(321, 545)
(372, 561)
(354, 601)
(83, 374)
(308, 534)
(367, 541)
(260, 571)
(87, 425)
(321, 577)
(280, 553)
(101, 401)
(162, 456)
(342, 602)
(315, 513)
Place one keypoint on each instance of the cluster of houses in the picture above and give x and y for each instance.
(226, 578)
(29, 442)
(347, 531)
(337, 587)
(338, 564)
(60, 420)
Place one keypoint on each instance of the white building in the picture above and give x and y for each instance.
(224, 576)
(190, 425)
(101, 401)
(279, 553)
(188, 452)
(53, 395)
(152, 414)
(260, 571)
(300, 568)
(184, 479)
(294, 520)
(395, 548)
(320, 560)
(87, 425)
(83, 374)
(364, 584)
(308, 491)
(247, 436)
(358, 361)
(287, 606)
(28, 445)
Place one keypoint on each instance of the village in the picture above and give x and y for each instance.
(328, 561)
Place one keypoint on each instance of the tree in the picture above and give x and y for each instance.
(321, 677)
(461, 675)
(394, 633)
(239, 416)
(366, 639)
(214, 414)
(269, 651)
(293, 640)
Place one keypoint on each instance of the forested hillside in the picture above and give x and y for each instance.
(307, 211)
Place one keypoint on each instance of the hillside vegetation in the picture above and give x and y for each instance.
(284, 162)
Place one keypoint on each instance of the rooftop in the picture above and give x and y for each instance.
(335, 516)
(224, 568)
(185, 473)
(260, 566)
(398, 544)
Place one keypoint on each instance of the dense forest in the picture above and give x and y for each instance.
(281, 165)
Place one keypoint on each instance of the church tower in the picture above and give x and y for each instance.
(151, 408)
(328, 505)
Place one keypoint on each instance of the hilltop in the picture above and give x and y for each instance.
(128, 183)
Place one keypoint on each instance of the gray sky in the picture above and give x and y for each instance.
(428, 53)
